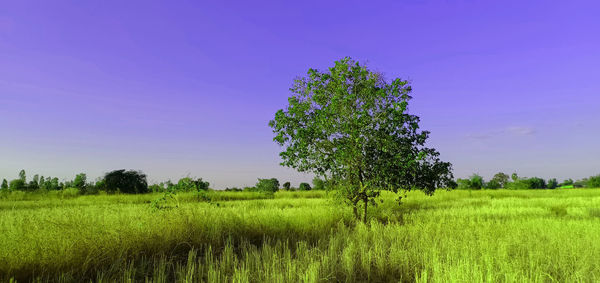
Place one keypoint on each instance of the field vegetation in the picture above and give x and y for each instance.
(466, 236)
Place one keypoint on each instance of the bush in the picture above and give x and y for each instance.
(536, 183)
(567, 182)
(188, 184)
(17, 185)
(318, 184)
(475, 182)
(552, 183)
(304, 187)
(581, 183)
(493, 185)
(594, 182)
(463, 184)
(287, 186)
(267, 185)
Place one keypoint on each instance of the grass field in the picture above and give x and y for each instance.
(456, 236)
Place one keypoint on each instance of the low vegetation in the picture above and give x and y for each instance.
(459, 236)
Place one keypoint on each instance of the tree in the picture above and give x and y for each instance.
(131, 182)
(287, 186)
(80, 182)
(493, 184)
(350, 124)
(304, 187)
(318, 183)
(17, 185)
(476, 182)
(189, 184)
(536, 183)
(594, 182)
(514, 177)
(567, 182)
(581, 183)
(552, 184)
(34, 183)
(463, 184)
(501, 179)
(267, 185)
(23, 176)
(4, 185)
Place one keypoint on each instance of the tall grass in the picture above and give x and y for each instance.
(458, 236)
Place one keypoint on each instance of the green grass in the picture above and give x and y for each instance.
(457, 236)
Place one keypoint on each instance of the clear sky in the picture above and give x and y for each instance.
(178, 88)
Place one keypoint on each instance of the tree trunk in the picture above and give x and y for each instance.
(365, 214)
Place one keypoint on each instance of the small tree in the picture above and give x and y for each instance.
(80, 182)
(304, 187)
(4, 185)
(130, 182)
(476, 182)
(552, 184)
(464, 184)
(536, 183)
(350, 124)
(287, 186)
(514, 177)
(318, 183)
(501, 179)
(23, 176)
(267, 185)
(567, 182)
(594, 182)
(17, 185)
(493, 184)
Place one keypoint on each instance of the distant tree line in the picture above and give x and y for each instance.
(514, 182)
(272, 185)
(135, 182)
(121, 181)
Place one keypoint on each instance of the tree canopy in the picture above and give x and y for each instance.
(131, 182)
(350, 124)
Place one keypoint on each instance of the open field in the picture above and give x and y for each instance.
(456, 236)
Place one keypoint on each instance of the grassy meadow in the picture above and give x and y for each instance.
(453, 236)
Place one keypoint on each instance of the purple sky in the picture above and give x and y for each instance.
(188, 87)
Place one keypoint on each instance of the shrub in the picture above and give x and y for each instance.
(501, 179)
(267, 185)
(475, 182)
(552, 183)
(536, 183)
(304, 187)
(463, 184)
(581, 183)
(318, 184)
(493, 185)
(17, 185)
(594, 182)
(287, 186)
(567, 182)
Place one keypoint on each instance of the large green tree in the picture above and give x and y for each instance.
(350, 125)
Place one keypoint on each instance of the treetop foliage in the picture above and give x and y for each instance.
(350, 124)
